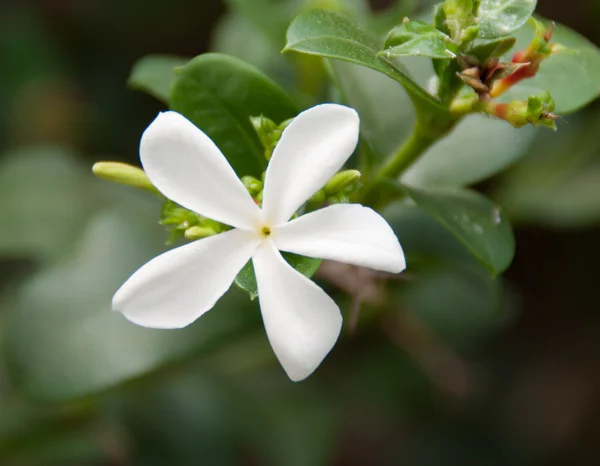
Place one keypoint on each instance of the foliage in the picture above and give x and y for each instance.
(432, 130)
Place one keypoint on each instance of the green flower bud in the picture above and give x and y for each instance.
(439, 19)
(469, 34)
(342, 181)
(537, 110)
(173, 214)
(284, 125)
(123, 173)
(460, 19)
(339, 198)
(253, 185)
(268, 133)
(319, 197)
(196, 232)
(263, 126)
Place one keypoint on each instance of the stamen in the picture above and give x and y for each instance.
(266, 231)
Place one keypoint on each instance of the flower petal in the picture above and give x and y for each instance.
(311, 150)
(347, 233)
(302, 322)
(177, 287)
(188, 168)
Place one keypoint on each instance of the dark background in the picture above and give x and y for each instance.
(519, 386)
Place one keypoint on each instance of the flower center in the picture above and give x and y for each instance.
(266, 231)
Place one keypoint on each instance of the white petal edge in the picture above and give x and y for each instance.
(348, 233)
(188, 168)
(177, 287)
(301, 321)
(311, 150)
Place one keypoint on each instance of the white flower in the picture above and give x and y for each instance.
(177, 287)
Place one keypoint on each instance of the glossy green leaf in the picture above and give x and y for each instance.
(246, 280)
(331, 35)
(64, 341)
(155, 75)
(499, 18)
(44, 200)
(219, 94)
(417, 38)
(474, 220)
(492, 48)
(571, 75)
(479, 147)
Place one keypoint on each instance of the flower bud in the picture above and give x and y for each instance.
(268, 132)
(339, 198)
(319, 197)
(460, 20)
(123, 173)
(341, 181)
(537, 110)
(196, 232)
(253, 185)
(530, 58)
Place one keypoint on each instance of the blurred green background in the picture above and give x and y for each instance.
(447, 366)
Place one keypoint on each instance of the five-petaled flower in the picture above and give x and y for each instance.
(177, 287)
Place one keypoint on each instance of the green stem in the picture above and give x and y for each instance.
(397, 164)
(408, 153)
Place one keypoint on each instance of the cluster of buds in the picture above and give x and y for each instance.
(489, 77)
(527, 62)
(482, 76)
(336, 191)
(268, 132)
(183, 223)
(537, 110)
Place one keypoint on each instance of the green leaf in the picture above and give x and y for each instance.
(479, 147)
(63, 340)
(219, 94)
(492, 48)
(246, 280)
(331, 35)
(417, 38)
(155, 75)
(499, 18)
(44, 199)
(457, 17)
(570, 75)
(474, 220)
